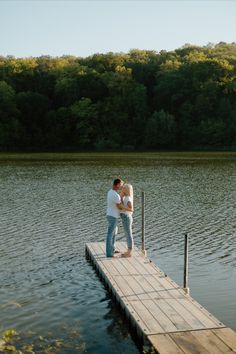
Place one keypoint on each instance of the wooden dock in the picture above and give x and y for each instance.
(158, 309)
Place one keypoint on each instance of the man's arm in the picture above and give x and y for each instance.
(122, 207)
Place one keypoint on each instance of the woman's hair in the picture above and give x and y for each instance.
(129, 189)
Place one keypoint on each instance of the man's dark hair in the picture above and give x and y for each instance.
(117, 181)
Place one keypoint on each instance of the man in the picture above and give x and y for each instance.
(113, 212)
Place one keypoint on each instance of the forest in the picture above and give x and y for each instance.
(137, 101)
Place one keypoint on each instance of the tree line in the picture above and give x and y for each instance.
(140, 100)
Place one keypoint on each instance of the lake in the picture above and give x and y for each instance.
(52, 204)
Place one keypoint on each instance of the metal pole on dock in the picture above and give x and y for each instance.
(186, 288)
(143, 223)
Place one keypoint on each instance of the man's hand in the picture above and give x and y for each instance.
(120, 206)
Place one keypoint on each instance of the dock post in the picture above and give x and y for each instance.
(186, 288)
(143, 224)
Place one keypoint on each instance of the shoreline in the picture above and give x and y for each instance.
(77, 156)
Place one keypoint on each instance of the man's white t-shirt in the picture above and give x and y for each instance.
(113, 198)
(127, 199)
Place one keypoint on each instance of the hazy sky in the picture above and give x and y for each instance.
(36, 27)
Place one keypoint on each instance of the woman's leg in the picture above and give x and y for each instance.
(127, 224)
(130, 240)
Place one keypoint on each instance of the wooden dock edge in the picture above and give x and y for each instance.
(123, 305)
(218, 340)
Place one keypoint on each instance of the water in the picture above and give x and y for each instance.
(51, 205)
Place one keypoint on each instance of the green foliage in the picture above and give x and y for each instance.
(6, 342)
(160, 130)
(9, 126)
(84, 114)
(149, 350)
(23, 343)
(138, 100)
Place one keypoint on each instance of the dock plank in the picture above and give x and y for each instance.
(152, 325)
(177, 320)
(211, 342)
(160, 315)
(126, 288)
(193, 342)
(194, 322)
(228, 336)
(189, 344)
(163, 343)
(207, 319)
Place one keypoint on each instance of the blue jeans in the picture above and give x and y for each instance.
(127, 221)
(111, 235)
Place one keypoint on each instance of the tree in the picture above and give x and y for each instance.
(84, 114)
(33, 108)
(9, 125)
(141, 99)
(161, 130)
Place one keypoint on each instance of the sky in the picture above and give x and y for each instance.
(82, 28)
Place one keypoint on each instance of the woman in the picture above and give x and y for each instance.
(126, 216)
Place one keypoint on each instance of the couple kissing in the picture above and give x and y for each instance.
(119, 204)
